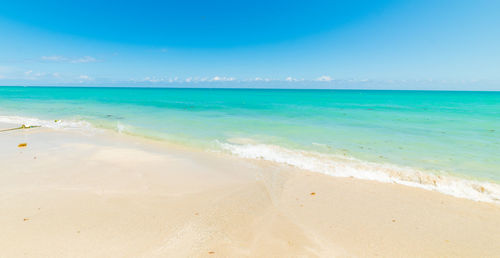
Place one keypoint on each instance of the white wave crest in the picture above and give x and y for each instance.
(53, 124)
(340, 166)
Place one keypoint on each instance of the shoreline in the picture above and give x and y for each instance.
(460, 186)
(106, 194)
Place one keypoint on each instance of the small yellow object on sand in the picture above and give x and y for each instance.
(21, 145)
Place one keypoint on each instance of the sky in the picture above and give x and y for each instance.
(385, 44)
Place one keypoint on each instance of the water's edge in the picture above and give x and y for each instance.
(329, 164)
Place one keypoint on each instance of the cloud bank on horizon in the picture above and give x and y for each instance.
(385, 44)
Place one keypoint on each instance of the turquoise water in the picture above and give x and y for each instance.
(440, 133)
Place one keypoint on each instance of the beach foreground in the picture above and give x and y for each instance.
(70, 194)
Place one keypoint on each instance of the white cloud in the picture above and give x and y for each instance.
(324, 78)
(291, 79)
(54, 58)
(85, 59)
(62, 59)
(187, 80)
(30, 75)
(258, 79)
(2, 77)
(33, 75)
(84, 78)
(222, 79)
(152, 79)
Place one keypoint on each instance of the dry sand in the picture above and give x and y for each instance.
(69, 194)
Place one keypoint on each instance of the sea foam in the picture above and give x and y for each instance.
(345, 166)
(53, 124)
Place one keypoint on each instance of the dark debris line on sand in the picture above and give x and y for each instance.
(20, 128)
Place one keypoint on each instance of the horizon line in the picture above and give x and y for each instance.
(241, 88)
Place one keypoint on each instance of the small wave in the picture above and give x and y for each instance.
(53, 124)
(340, 166)
(121, 128)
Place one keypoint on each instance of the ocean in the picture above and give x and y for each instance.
(446, 141)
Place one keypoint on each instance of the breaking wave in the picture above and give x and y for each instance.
(341, 166)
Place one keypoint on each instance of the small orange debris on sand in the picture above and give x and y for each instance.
(21, 145)
(313, 193)
(393, 220)
(26, 219)
(196, 213)
(211, 252)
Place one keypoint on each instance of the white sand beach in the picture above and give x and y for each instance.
(74, 194)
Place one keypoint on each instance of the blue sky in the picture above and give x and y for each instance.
(327, 44)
